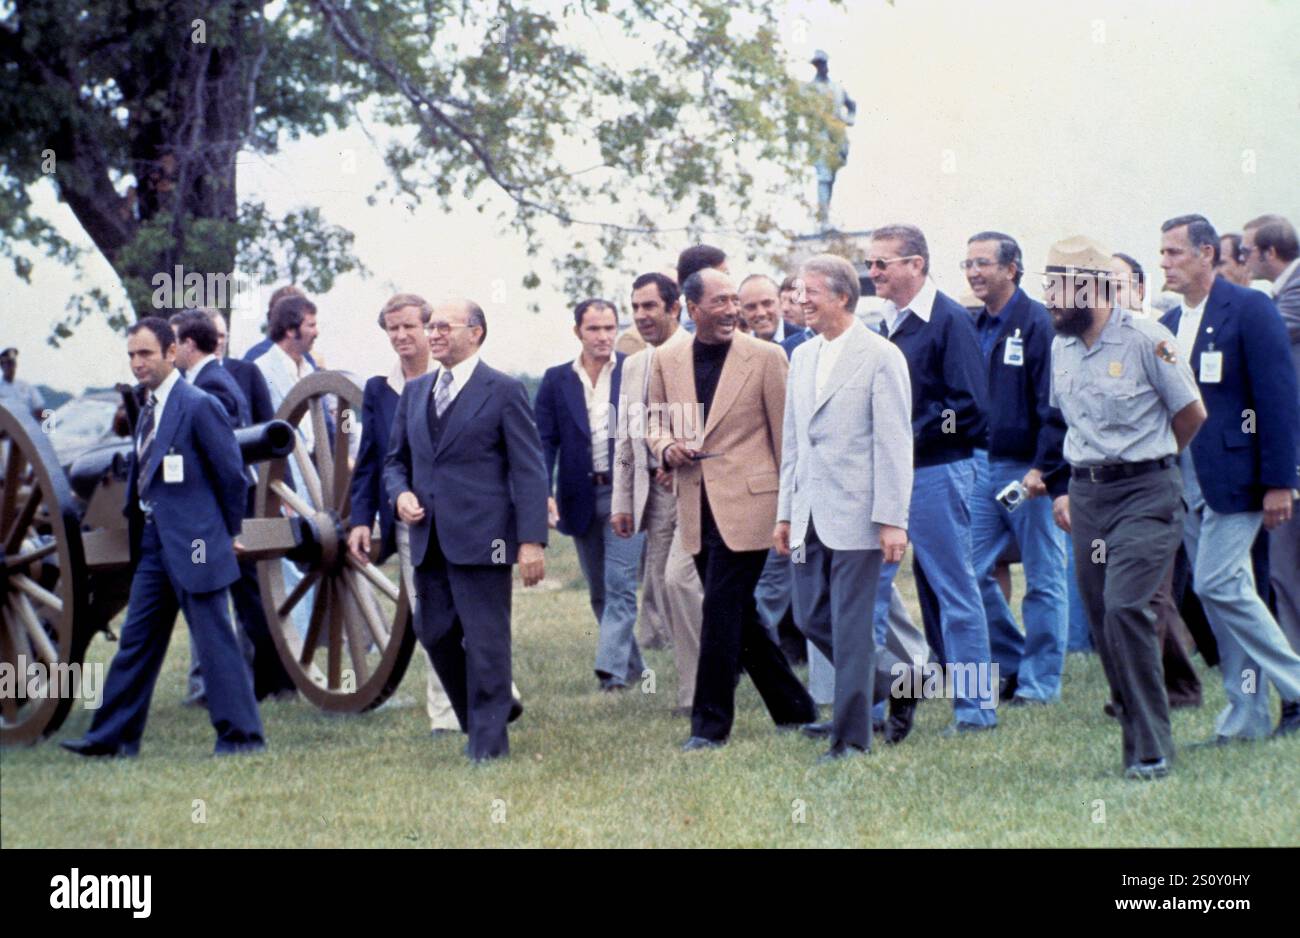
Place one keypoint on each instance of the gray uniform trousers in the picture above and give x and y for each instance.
(1125, 535)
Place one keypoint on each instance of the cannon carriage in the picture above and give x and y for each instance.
(342, 628)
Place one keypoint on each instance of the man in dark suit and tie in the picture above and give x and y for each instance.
(576, 407)
(1238, 472)
(247, 375)
(464, 470)
(185, 494)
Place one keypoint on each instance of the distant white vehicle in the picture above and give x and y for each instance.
(82, 424)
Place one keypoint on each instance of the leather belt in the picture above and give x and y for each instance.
(601, 478)
(1123, 470)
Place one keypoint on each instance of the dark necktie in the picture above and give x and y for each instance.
(145, 442)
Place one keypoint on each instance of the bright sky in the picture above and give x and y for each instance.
(1040, 118)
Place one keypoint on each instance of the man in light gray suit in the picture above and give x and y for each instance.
(643, 498)
(847, 451)
(1273, 253)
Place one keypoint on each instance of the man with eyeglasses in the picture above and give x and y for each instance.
(1025, 434)
(949, 393)
(464, 470)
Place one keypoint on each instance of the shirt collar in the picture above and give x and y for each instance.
(921, 305)
(582, 372)
(1110, 332)
(164, 390)
(192, 374)
(1198, 310)
(1283, 277)
(397, 378)
(779, 336)
(295, 369)
(460, 374)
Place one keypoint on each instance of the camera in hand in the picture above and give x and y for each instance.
(1013, 496)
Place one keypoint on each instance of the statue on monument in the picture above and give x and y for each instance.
(843, 112)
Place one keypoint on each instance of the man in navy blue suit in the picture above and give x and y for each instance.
(185, 497)
(1239, 472)
(247, 375)
(464, 470)
(577, 408)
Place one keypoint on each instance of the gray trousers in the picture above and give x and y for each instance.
(658, 521)
(1125, 534)
(836, 591)
(774, 595)
(609, 563)
(1284, 573)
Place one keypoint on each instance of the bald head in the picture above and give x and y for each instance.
(456, 329)
(712, 302)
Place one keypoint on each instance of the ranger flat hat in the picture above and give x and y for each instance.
(1078, 255)
(9, 353)
(820, 56)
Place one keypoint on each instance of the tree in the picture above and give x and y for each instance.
(136, 111)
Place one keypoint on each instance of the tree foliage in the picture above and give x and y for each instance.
(682, 121)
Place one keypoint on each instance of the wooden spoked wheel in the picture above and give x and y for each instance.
(41, 555)
(343, 629)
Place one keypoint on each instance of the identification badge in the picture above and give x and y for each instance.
(1211, 367)
(1116, 369)
(173, 468)
(1014, 352)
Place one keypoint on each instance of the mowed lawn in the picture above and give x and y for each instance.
(591, 770)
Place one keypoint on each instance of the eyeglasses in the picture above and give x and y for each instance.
(880, 263)
(979, 263)
(444, 328)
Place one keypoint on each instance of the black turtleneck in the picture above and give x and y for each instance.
(708, 368)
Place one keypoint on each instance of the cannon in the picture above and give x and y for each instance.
(65, 553)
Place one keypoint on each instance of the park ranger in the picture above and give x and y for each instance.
(1131, 405)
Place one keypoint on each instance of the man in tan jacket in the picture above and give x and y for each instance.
(717, 407)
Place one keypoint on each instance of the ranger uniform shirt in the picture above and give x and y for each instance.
(1119, 397)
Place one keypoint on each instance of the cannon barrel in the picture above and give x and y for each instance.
(258, 443)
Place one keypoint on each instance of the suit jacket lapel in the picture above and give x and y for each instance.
(848, 362)
(468, 402)
(417, 419)
(1217, 308)
(912, 323)
(166, 431)
(576, 400)
(735, 372)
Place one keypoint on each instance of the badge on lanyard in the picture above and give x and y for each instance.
(1211, 366)
(1014, 351)
(173, 468)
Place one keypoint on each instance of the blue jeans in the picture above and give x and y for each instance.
(609, 563)
(1038, 655)
(940, 530)
(1080, 635)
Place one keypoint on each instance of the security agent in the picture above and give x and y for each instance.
(1130, 405)
(185, 497)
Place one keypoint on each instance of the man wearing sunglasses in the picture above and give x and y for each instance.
(949, 392)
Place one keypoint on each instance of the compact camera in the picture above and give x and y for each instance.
(1013, 496)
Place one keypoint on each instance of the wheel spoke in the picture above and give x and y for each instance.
(15, 532)
(369, 608)
(35, 631)
(334, 657)
(37, 592)
(377, 577)
(308, 472)
(299, 591)
(342, 471)
(312, 638)
(356, 643)
(13, 471)
(321, 447)
(31, 556)
(292, 499)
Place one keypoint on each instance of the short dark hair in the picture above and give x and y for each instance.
(280, 293)
(592, 302)
(1235, 238)
(698, 257)
(474, 317)
(788, 285)
(1008, 250)
(693, 288)
(288, 313)
(1199, 231)
(195, 324)
(1274, 231)
(160, 328)
(669, 292)
(1139, 276)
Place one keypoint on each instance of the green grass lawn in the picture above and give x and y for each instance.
(590, 770)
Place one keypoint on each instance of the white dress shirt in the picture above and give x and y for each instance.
(922, 305)
(160, 395)
(460, 374)
(397, 378)
(828, 353)
(597, 396)
(1189, 323)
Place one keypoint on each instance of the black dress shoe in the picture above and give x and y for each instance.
(1110, 710)
(878, 727)
(239, 749)
(611, 685)
(1290, 719)
(84, 747)
(816, 730)
(840, 751)
(902, 711)
(1008, 688)
(699, 742)
(516, 710)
